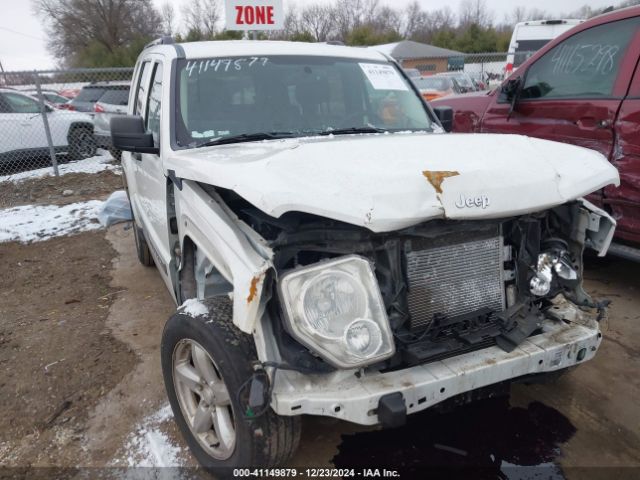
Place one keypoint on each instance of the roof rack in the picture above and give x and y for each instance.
(165, 40)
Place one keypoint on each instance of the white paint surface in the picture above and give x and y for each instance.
(376, 181)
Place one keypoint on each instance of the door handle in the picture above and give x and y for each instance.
(590, 123)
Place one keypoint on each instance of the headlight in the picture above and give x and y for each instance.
(558, 261)
(335, 309)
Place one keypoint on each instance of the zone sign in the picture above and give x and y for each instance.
(254, 14)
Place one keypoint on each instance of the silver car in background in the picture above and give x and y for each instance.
(112, 102)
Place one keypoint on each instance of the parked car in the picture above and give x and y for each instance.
(52, 97)
(465, 82)
(436, 87)
(479, 79)
(69, 93)
(85, 100)
(329, 261)
(23, 134)
(572, 91)
(413, 73)
(113, 101)
(530, 36)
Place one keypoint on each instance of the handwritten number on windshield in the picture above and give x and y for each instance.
(599, 59)
(224, 64)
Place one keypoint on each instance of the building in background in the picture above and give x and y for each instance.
(426, 58)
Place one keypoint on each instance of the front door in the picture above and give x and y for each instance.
(572, 93)
(624, 202)
(150, 181)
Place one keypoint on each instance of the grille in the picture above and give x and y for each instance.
(457, 274)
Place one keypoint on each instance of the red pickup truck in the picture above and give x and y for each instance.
(581, 88)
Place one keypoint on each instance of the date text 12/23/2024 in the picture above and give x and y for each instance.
(315, 473)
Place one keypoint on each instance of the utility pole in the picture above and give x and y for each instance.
(3, 73)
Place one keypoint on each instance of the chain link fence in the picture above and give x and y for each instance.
(58, 119)
(51, 118)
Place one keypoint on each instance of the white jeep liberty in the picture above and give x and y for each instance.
(335, 252)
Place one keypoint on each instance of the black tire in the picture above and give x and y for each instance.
(82, 143)
(266, 441)
(142, 248)
(116, 154)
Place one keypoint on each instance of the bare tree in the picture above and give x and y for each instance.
(415, 19)
(168, 14)
(75, 25)
(537, 14)
(386, 20)
(519, 14)
(202, 16)
(317, 19)
(475, 12)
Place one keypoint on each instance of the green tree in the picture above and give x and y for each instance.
(367, 35)
(303, 36)
(97, 55)
(445, 38)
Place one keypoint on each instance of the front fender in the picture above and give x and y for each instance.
(236, 251)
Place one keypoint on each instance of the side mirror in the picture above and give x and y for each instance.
(445, 115)
(128, 134)
(509, 93)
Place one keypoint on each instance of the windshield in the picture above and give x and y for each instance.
(89, 94)
(116, 97)
(291, 96)
(526, 48)
(433, 83)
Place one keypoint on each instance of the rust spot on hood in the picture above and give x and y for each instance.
(437, 177)
(253, 289)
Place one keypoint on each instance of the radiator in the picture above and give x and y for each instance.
(454, 274)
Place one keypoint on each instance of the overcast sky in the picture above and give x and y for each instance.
(23, 42)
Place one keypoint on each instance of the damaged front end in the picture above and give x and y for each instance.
(429, 311)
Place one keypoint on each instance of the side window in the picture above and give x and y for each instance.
(4, 105)
(585, 65)
(21, 103)
(141, 93)
(152, 122)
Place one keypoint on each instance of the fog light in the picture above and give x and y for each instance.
(363, 338)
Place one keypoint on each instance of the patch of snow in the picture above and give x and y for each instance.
(194, 308)
(33, 223)
(149, 446)
(88, 165)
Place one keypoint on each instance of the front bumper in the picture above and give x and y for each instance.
(343, 395)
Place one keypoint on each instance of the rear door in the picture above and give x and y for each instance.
(624, 202)
(573, 92)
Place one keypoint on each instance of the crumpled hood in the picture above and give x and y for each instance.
(392, 181)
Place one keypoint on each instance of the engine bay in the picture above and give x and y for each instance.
(449, 287)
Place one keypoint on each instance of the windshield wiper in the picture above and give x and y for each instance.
(347, 131)
(246, 137)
